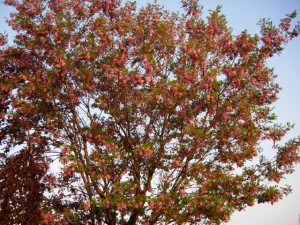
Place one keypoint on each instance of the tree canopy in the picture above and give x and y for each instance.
(111, 114)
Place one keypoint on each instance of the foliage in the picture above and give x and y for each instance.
(113, 115)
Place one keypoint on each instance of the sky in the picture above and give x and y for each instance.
(241, 15)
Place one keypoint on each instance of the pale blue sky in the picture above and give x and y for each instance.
(241, 15)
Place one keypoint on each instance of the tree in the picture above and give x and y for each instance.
(113, 115)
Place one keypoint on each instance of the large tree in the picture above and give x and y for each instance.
(113, 115)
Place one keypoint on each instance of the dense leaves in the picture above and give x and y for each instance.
(113, 115)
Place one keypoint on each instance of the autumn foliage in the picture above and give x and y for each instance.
(111, 114)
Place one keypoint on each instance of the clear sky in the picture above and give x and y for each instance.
(241, 15)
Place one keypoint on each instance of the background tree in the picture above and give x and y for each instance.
(154, 116)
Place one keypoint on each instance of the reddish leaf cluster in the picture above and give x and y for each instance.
(144, 116)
